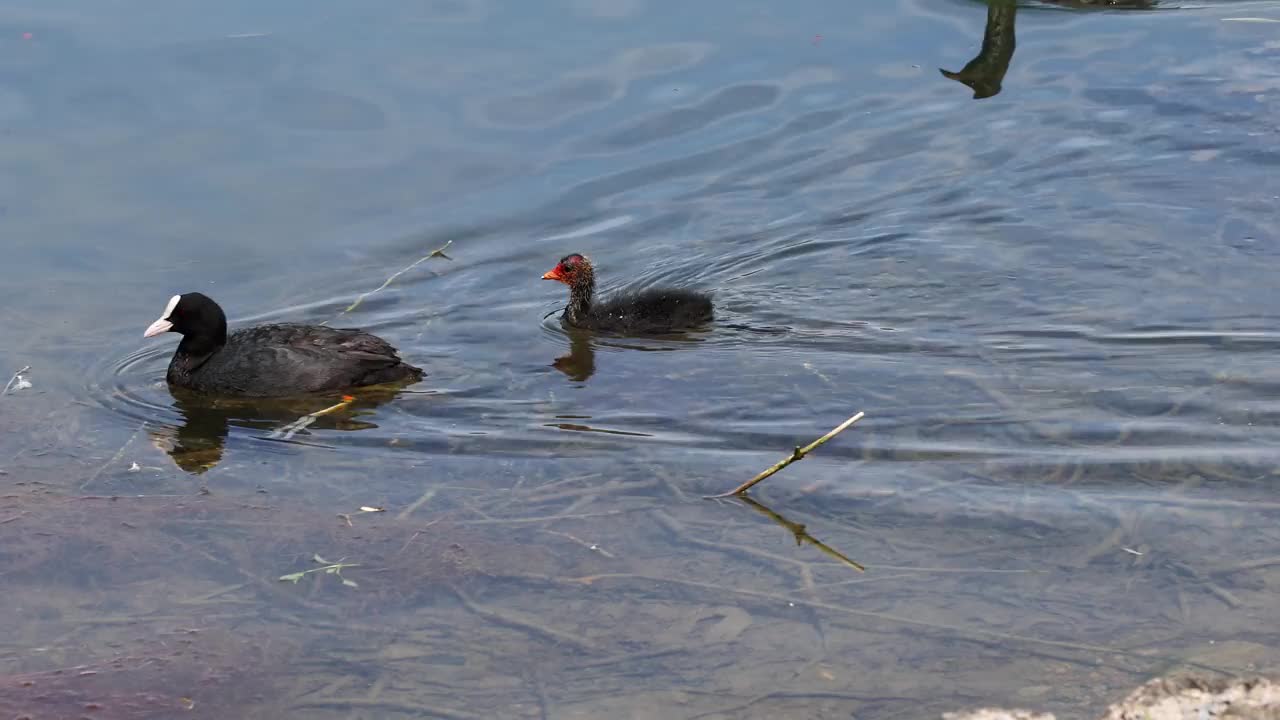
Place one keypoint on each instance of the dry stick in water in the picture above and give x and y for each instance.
(797, 454)
(438, 252)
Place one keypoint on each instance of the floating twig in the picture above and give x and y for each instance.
(797, 454)
(438, 252)
(17, 380)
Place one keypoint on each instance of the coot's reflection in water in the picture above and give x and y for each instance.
(986, 71)
(196, 444)
(984, 74)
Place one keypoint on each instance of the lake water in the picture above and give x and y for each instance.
(1056, 304)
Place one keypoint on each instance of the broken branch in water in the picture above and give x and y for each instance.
(17, 379)
(797, 454)
(438, 252)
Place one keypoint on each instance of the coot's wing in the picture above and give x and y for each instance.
(313, 340)
(352, 341)
(286, 358)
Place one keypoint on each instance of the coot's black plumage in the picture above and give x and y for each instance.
(271, 360)
(653, 311)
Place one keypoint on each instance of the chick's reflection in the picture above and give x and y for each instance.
(580, 363)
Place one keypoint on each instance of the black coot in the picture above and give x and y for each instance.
(653, 311)
(271, 360)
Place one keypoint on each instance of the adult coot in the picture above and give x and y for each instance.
(657, 310)
(271, 360)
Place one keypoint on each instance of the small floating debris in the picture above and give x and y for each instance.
(346, 517)
(17, 382)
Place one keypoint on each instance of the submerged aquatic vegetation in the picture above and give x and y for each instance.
(326, 567)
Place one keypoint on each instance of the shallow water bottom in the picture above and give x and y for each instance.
(617, 591)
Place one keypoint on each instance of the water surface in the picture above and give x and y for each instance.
(1054, 302)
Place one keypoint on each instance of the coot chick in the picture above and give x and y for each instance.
(653, 311)
(271, 360)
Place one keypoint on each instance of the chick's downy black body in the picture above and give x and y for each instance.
(646, 311)
(652, 311)
(272, 360)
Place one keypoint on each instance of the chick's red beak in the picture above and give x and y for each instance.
(555, 273)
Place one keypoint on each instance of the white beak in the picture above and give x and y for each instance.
(157, 327)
